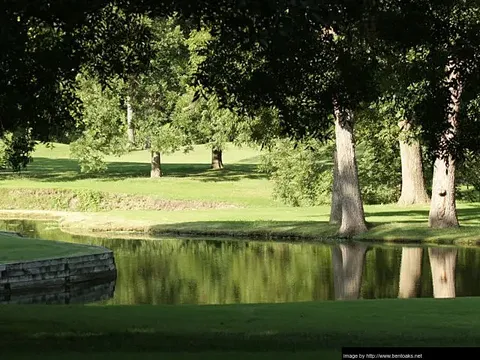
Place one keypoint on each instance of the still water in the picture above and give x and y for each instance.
(193, 271)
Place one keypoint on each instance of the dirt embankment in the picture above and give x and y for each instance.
(84, 200)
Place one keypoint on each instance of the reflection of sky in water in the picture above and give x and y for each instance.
(175, 271)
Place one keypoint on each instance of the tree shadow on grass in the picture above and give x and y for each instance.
(231, 172)
(422, 215)
(399, 212)
(65, 170)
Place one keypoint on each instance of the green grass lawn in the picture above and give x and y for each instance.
(289, 330)
(197, 200)
(186, 176)
(14, 248)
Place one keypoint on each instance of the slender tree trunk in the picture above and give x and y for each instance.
(413, 182)
(443, 262)
(336, 206)
(217, 162)
(130, 126)
(353, 216)
(443, 210)
(156, 169)
(410, 272)
(348, 261)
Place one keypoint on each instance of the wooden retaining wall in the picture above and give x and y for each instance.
(60, 273)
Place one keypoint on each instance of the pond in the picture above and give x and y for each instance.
(213, 271)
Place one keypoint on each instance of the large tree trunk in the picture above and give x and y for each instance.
(336, 206)
(217, 161)
(156, 169)
(130, 126)
(413, 182)
(410, 272)
(348, 261)
(353, 217)
(443, 211)
(443, 262)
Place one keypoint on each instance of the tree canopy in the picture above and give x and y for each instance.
(46, 44)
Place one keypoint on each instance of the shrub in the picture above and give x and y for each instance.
(301, 171)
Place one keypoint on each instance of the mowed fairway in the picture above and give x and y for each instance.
(186, 176)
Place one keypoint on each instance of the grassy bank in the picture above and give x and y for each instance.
(14, 248)
(388, 223)
(191, 199)
(310, 329)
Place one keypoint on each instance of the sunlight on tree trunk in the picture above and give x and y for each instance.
(217, 161)
(156, 170)
(443, 211)
(336, 205)
(410, 272)
(443, 262)
(130, 126)
(348, 261)
(353, 218)
(413, 182)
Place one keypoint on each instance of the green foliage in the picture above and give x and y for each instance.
(199, 114)
(16, 149)
(155, 93)
(264, 128)
(469, 174)
(301, 172)
(3, 148)
(103, 123)
(378, 158)
(89, 200)
(380, 181)
(46, 44)
(204, 122)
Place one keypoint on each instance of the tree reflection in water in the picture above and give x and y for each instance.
(178, 271)
(348, 262)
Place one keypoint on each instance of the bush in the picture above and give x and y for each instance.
(102, 126)
(380, 179)
(16, 149)
(301, 171)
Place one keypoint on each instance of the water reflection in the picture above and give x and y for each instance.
(410, 272)
(81, 293)
(179, 271)
(442, 263)
(348, 262)
(442, 268)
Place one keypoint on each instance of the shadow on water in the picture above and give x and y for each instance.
(181, 271)
(65, 170)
